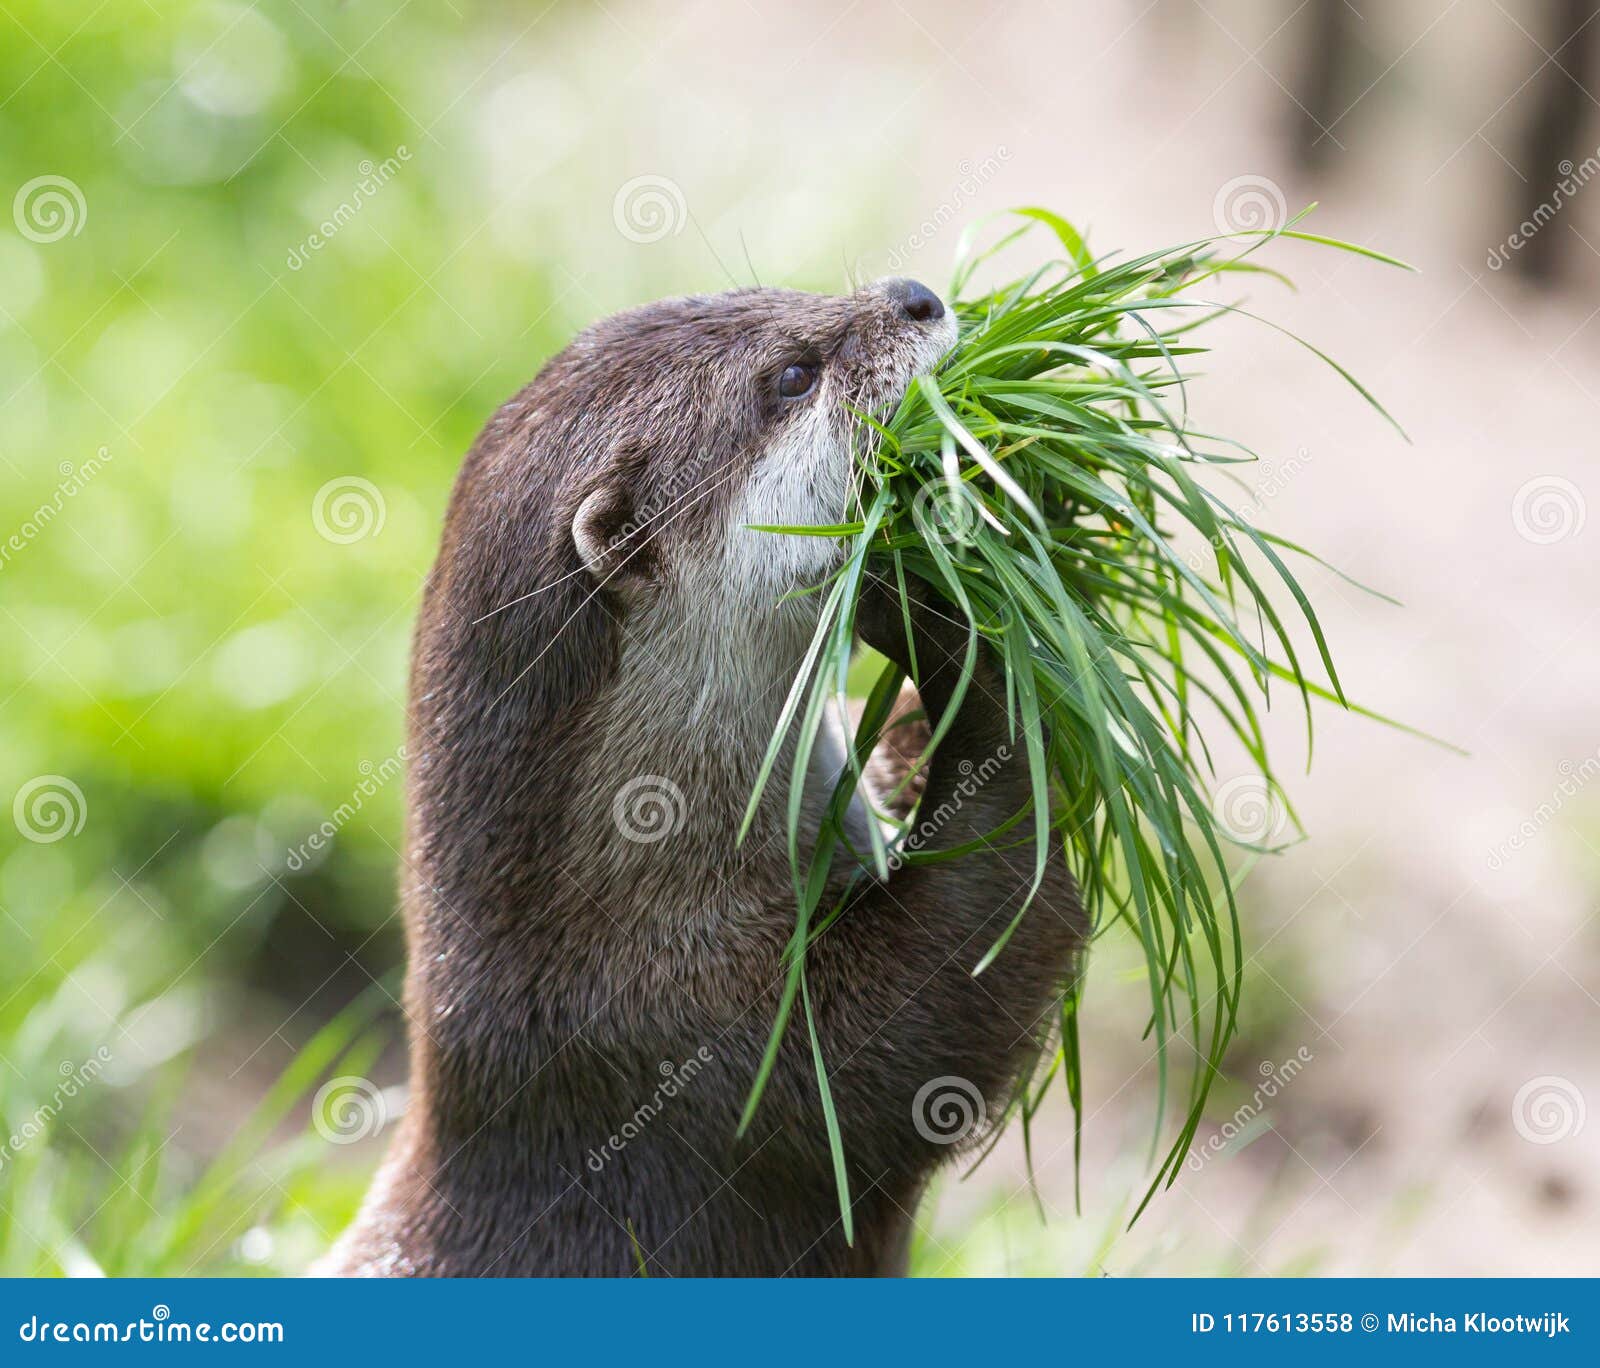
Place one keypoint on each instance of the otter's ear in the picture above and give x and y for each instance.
(613, 532)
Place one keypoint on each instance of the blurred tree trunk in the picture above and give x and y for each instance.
(1561, 112)
(1324, 83)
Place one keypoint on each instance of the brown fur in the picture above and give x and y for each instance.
(558, 968)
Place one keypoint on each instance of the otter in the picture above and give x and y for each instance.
(595, 960)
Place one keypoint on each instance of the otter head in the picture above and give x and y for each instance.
(708, 417)
(613, 500)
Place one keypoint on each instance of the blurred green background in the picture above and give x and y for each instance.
(267, 269)
(285, 261)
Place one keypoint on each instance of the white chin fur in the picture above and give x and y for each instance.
(800, 481)
(804, 480)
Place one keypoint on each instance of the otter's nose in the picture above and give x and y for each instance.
(919, 303)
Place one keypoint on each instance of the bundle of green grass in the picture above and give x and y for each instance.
(1048, 483)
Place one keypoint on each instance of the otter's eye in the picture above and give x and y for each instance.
(797, 380)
